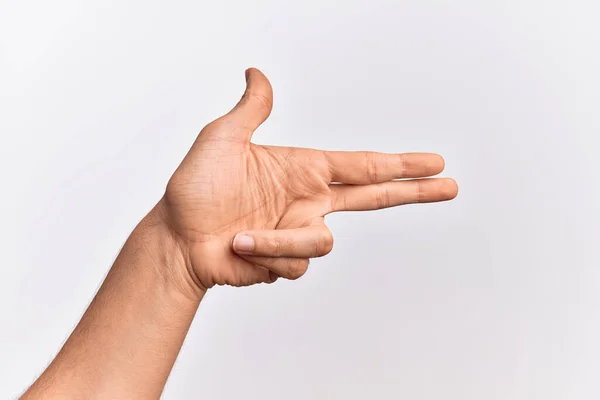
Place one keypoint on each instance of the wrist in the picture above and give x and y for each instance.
(128, 339)
(163, 243)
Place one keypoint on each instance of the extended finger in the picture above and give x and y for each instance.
(391, 194)
(310, 241)
(365, 167)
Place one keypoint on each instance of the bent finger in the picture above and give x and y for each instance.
(285, 267)
(307, 242)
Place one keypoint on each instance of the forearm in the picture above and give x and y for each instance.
(129, 337)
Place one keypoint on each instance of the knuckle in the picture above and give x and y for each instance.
(334, 200)
(260, 99)
(371, 167)
(217, 124)
(382, 197)
(296, 268)
(419, 192)
(275, 246)
(324, 243)
(404, 165)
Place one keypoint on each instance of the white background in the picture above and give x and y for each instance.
(495, 295)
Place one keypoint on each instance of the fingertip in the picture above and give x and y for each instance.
(440, 163)
(450, 188)
(243, 243)
(255, 75)
(419, 165)
(273, 277)
(435, 163)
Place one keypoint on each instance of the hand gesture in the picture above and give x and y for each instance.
(247, 213)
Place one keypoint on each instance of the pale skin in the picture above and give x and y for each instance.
(234, 213)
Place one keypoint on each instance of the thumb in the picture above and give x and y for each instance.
(255, 105)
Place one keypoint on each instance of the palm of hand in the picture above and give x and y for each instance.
(278, 196)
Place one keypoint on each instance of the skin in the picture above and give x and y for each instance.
(234, 213)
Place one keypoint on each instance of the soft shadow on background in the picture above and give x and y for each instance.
(492, 296)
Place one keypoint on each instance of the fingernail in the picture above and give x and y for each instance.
(247, 74)
(243, 244)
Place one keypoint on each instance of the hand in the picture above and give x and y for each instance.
(248, 214)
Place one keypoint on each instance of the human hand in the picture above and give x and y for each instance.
(275, 198)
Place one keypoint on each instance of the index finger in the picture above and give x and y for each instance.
(365, 167)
